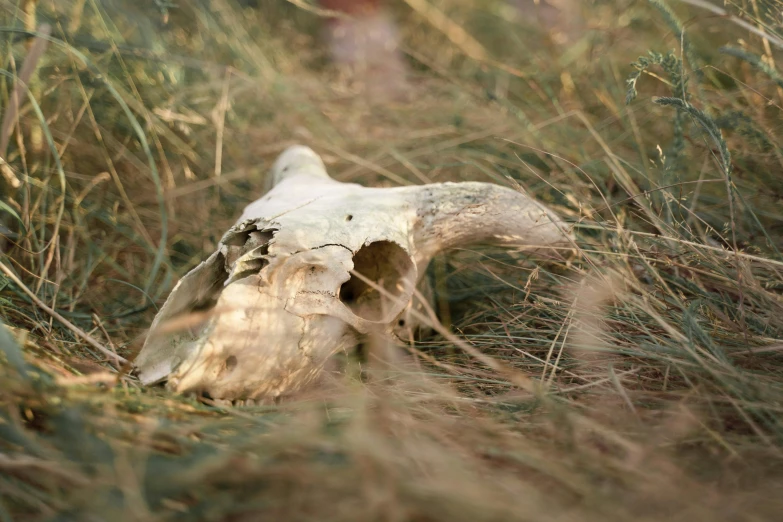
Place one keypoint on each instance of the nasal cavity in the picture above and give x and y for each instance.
(383, 277)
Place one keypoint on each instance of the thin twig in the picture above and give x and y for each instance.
(75, 329)
(105, 333)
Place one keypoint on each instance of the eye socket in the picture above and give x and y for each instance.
(389, 267)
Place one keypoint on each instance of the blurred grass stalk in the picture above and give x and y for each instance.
(27, 83)
(34, 83)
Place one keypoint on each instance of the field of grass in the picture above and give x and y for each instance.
(640, 378)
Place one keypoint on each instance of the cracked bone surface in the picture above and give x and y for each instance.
(262, 315)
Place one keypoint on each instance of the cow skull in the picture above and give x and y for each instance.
(311, 266)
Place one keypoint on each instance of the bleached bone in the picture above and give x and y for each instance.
(278, 297)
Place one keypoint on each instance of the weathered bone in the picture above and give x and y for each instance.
(278, 298)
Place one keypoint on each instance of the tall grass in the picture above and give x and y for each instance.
(641, 378)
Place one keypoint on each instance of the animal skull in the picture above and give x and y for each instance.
(282, 294)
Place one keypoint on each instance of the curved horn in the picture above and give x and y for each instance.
(297, 160)
(456, 214)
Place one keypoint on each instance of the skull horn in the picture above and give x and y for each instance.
(457, 214)
(296, 160)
